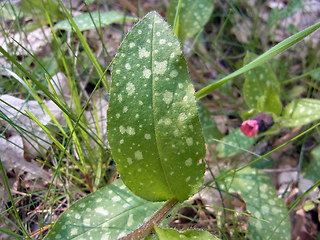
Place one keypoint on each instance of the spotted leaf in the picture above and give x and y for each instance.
(234, 143)
(270, 102)
(301, 112)
(209, 126)
(269, 213)
(109, 213)
(256, 82)
(153, 126)
(173, 234)
(84, 21)
(193, 16)
(312, 169)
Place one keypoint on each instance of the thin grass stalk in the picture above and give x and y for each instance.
(99, 166)
(35, 94)
(6, 182)
(176, 19)
(277, 49)
(59, 145)
(231, 173)
(86, 47)
(293, 205)
(47, 92)
(11, 234)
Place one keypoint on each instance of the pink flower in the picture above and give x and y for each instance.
(250, 127)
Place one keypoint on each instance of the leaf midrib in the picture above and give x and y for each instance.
(153, 107)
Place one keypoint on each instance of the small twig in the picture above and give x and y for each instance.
(147, 227)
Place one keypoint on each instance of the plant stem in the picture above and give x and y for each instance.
(147, 227)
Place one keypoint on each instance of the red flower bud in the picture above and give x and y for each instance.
(250, 127)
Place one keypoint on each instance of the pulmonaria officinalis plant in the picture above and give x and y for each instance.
(155, 138)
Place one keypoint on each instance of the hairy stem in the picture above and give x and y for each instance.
(147, 227)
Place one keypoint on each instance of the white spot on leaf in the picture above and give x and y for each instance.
(162, 41)
(127, 66)
(130, 88)
(182, 117)
(143, 53)
(138, 155)
(131, 131)
(146, 73)
(73, 231)
(173, 74)
(86, 221)
(101, 211)
(189, 141)
(116, 199)
(120, 98)
(160, 67)
(147, 136)
(188, 162)
(130, 220)
(122, 129)
(167, 97)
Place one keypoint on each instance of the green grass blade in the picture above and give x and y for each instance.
(11, 234)
(176, 19)
(37, 97)
(86, 47)
(59, 145)
(279, 48)
(48, 93)
(6, 182)
(268, 153)
(99, 165)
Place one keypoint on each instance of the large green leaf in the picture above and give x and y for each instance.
(270, 102)
(172, 234)
(109, 213)
(193, 16)
(153, 126)
(84, 21)
(209, 126)
(256, 189)
(312, 170)
(257, 80)
(234, 143)
(301, 112)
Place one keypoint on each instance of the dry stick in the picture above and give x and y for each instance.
(147, 227)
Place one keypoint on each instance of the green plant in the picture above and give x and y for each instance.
(155, 134)
(154, 131)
